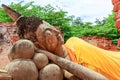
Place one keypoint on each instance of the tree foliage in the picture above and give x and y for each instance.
(105, 27)
(70, 25)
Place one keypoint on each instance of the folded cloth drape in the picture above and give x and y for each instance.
(97, 59)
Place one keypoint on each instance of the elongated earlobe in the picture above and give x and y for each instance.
(11, 13)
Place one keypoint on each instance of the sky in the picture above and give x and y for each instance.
(88, 10)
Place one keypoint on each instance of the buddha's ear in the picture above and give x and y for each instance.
(11, 13)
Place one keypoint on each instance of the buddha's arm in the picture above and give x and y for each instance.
(76, 69)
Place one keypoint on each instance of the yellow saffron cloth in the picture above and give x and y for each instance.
(102, 61)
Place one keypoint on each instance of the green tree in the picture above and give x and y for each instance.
(110, 22)
(100, 22)
(78, 21)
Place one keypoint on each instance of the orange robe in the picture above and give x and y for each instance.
(102, 61)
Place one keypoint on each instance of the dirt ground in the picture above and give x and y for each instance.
(97, 41)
